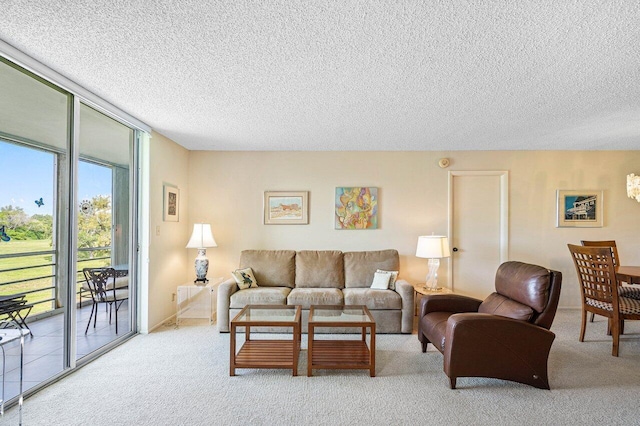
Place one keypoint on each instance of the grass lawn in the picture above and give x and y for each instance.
(35, 270)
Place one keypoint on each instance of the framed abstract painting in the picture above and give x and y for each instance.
(356, 208)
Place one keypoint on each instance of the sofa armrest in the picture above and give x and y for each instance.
(448, 303)
(225, 290)
(485, 345)
(405, 290)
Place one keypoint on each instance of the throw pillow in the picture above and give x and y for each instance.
(381, 280)
(244, 278)
(392, 280)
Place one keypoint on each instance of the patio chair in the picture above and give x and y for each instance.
(101, 283)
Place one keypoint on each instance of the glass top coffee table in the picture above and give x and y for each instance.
(266, 353)
(342, 354)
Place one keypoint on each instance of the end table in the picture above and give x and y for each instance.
(420, 288)
(197, 301)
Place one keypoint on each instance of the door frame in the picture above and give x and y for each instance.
(504, 212)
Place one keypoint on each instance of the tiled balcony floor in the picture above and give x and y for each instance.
(43, 352)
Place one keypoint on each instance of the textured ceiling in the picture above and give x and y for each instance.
(352, 74)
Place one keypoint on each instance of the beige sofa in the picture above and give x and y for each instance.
(305, 278)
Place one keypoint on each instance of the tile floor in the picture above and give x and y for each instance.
(43, 352)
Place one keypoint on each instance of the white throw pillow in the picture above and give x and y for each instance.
(381, 280)
(245, 278)
(392, 280)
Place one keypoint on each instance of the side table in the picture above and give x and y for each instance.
(419, 288)
(197, 301)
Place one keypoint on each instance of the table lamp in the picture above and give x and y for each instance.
(433, 247)
(201, 238)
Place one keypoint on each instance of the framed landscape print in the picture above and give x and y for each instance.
(286, 207)
(579, 208)
(356, 208)
(171, 207)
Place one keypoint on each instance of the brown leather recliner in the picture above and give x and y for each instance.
(506, 336)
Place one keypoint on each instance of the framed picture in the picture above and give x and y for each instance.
(286, 207)
(356, 208)
(171, 205)
(579, 208)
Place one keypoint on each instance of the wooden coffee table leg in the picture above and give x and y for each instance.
(294, 349)
(310, 351)
(232, 348)
(372, 351)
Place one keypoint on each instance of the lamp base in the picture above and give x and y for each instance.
(202, 266)
(432, 276)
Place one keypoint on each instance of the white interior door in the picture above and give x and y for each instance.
(478, 227)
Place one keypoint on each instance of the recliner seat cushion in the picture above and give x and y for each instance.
(372, 298)
(259, 296)
(360, 266)
(524, 283)
(497, 304)
(319, 269)
(272, 268)
(305, 297)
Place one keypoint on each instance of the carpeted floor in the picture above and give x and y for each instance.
(181, 377)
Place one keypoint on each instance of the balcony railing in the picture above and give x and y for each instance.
(34, 274)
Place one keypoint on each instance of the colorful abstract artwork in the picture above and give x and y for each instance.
(356, 208)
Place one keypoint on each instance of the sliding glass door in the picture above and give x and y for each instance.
(103, 232)
(67, 205)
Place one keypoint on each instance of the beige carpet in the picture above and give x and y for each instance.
(181, 377)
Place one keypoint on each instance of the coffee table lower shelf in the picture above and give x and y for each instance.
(267, 354)
(340, 354)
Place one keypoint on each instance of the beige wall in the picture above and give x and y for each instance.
(168, 265)
(226, 190)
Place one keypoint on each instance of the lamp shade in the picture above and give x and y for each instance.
(633, 186)
(201, 236)
(433, 247)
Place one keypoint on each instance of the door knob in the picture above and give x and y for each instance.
(455, 249)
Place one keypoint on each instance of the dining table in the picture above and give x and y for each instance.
(628, 274)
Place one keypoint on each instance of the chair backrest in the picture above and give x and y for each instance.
(605, 243)
(525, 292)
(596, 274)
(98, 278)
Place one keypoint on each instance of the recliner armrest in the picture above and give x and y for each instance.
(448, 303)
(485, 345)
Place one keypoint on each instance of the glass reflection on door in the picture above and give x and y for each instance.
(103, 284)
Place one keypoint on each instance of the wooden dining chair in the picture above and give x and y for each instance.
(599, 290)
(624, 291)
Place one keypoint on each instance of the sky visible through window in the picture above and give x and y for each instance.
(27, 174)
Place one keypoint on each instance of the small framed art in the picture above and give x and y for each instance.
(286, 207)
(579, 208)
(171, 207)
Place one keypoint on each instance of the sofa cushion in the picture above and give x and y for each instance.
(524, 283)
(359, 266)
(272, 268)
(306, 297)
(498, 304)
(372, 298)
(259, 296)
(319, 269)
